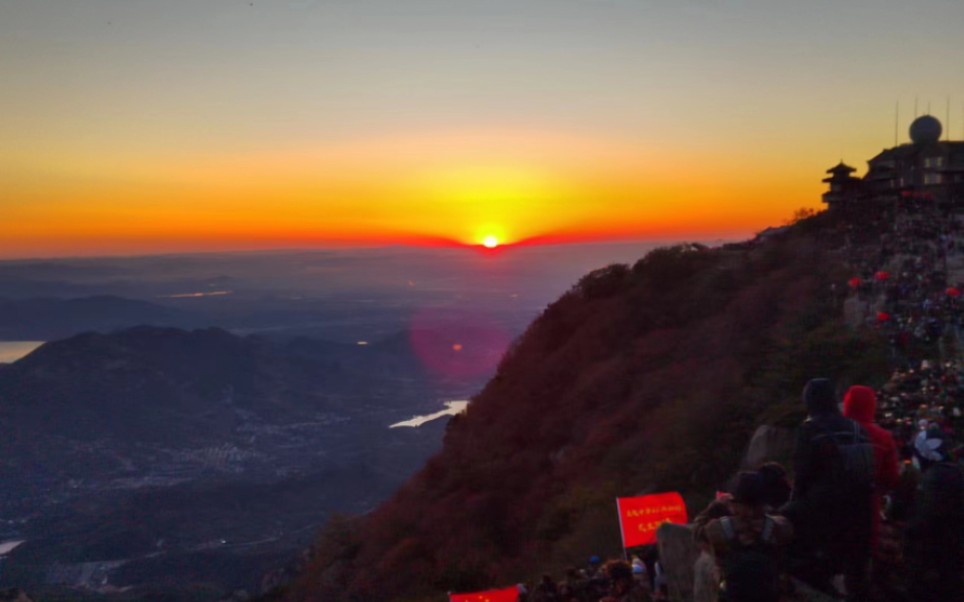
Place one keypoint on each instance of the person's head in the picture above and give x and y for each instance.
(748, 494)
(620, 574)
(819, 396)
(860, 404)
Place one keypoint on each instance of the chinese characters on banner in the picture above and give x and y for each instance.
(508, 594)
(640, 516)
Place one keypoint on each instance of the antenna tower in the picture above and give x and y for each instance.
(947, 126)
(896, 120)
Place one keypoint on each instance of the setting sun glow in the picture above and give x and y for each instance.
(220, 126)
(490, 242)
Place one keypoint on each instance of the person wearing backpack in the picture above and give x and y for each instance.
(748, 544)
(830, 503)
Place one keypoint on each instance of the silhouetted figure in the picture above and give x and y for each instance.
(622, 586)
(830, 502)
(776, 485)
(641, 574)
(935, 533)
(718, 508)
(747, 544)
(575, 586)
(860, 405)
(546, 591)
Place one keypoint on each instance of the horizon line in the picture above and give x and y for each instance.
(545, 241)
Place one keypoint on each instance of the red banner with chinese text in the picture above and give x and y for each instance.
(640, 516)
(508, 594)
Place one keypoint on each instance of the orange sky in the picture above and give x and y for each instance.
(136, 129)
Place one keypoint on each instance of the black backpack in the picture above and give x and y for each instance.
(751, 572)
(854, 462)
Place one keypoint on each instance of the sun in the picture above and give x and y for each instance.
(490, 242)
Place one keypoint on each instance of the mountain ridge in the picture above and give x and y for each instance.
(641, 378)
(48, 318)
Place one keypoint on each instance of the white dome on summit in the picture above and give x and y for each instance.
(925, 130)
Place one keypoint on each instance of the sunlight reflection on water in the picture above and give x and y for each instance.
(452, 408)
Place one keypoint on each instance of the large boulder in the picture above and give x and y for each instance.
(677, 555)
(769, 444)
(706, 578)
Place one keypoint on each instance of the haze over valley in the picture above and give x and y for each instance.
(194, 419)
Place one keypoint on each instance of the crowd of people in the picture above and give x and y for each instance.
(875, 509)
(612, 581)
(877, 499)
(865, 518)
(884, 515)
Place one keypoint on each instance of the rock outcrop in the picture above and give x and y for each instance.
(678, 553)
(768, 444)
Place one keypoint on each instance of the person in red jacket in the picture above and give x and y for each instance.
(860, 405)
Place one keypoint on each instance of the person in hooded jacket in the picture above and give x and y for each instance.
(860, 405)
(829, 509)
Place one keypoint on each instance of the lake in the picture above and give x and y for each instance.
(11, 351)
(451, 409)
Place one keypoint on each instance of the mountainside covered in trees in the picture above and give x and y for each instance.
(641, 378)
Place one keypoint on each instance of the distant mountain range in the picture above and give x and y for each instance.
(165, 457)
(336, 294)
(45, 319)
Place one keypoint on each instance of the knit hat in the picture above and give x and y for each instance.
(819, 396)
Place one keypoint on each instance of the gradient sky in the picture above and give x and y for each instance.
(135, 126)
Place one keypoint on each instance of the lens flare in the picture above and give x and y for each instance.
(454, 342)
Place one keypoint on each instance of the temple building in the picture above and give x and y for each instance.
(926, 169)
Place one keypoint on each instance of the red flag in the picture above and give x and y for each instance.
(953, 292)
(883, 316)
(508, 594)
(854, 282)
(640, 516)
(881, 276)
